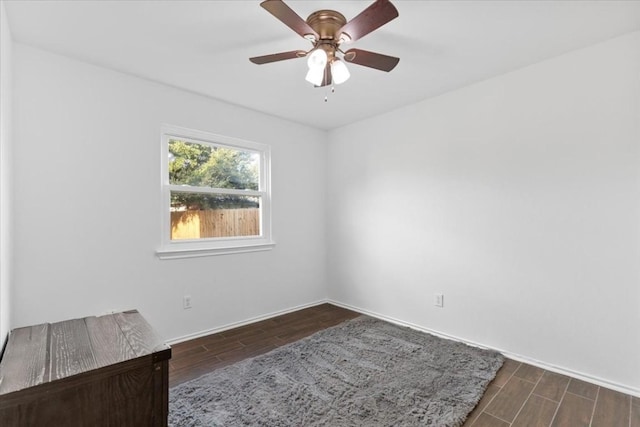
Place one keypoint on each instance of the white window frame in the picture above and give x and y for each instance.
(171, 249)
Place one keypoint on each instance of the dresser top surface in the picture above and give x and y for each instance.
(52, 351)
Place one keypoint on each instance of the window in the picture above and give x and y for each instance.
(215, 194)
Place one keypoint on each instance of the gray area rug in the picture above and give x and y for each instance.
(363, 372)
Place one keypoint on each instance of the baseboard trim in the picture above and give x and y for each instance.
(244, 322)
(520, 358)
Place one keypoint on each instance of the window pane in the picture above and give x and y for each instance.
(202, 216)
(204, 165)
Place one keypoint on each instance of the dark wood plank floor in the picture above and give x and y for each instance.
(520, 395)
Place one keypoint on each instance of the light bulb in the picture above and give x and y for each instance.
(315, 76)
(317, 59)
(339, 71)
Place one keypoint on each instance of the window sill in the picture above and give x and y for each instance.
(201, 252)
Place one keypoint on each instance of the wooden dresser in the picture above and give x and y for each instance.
(97, 371)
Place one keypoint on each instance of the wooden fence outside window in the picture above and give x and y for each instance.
(215, 223)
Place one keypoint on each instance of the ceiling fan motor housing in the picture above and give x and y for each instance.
(327, 23)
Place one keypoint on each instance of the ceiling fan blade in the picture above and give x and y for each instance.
(274, 57)
(288, 17)
(373, 17)
(328, 78)
(371, 59)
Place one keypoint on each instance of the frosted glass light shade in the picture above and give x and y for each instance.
(317, 59)
(339, 72)
(315, 76)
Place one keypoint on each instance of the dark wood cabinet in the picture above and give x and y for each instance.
(110, 370)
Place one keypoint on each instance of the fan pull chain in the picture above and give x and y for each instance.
(326, 96)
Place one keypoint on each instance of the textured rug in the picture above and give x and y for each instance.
(363, 372)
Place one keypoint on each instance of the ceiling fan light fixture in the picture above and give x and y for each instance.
(315, 76)
(317, 59)
(327, 29)
(339, 71)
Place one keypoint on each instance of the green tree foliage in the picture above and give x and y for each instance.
(202, 165)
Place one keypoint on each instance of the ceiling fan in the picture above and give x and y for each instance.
(328, 31)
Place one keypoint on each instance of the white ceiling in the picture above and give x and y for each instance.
(204, 46)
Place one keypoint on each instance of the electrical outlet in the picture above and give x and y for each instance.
(438, 300)
(186, 302)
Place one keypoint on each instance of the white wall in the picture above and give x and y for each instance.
(518, 198)
(6, 60)
(87, 203)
